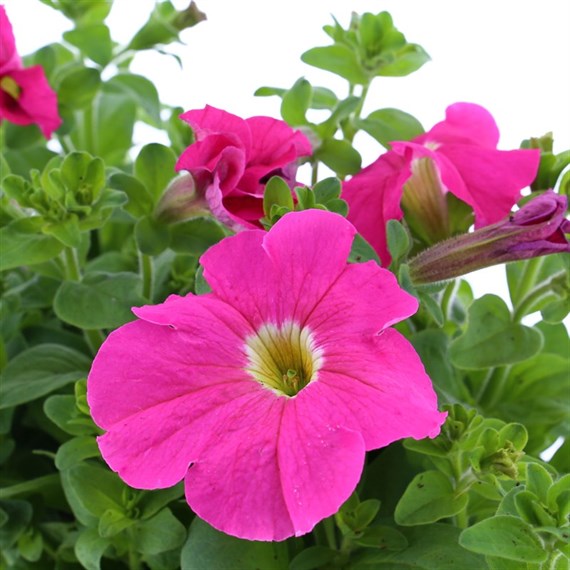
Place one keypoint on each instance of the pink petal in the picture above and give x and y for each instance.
(9, 58)
(186, 344)
(274, 143)
(373, 197)
(37, 102)
(236, 485)
(153, 447)
(320, 461)
(216, 153)
(465, 123)
(370, 295)
(210, 120)
(294, 261)
(391, 396)
(492, 179)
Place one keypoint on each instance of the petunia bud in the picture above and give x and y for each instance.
(184, 199)
(538, 228)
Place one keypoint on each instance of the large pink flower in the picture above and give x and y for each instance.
(458, 155)
(233, 158)
(25, 94)
(265, 394)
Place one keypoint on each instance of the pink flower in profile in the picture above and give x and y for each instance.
(233, 158)
(265, 394)
(25, 94)
(458, 155)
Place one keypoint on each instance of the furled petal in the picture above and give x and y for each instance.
(36, 103)
(387, 396)
(373, 197)
(492, 179)
(372, 298)
(9, 58)
(210, 121)
(275, 143)
(465, 123)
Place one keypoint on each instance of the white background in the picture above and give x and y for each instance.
(510, 56)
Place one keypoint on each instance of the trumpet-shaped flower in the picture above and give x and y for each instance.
(25, 94)
(233, 158)
(458, 155)
(264, 394)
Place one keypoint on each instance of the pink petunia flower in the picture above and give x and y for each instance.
(458, 155)
(25, 94)
(233, 158)
(265, 394)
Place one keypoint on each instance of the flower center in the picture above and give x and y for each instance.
(8, 85)
(424, 201)
(283, 359)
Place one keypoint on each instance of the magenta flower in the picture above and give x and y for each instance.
(233, 158)
(265, 394)
(25, 94)
(458, 155)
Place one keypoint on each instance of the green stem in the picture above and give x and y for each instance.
(147, 273)
(330, 532)
(93, 337)
(314, 173)
(530, 300)
(135, 562)
(461, 518)
(526, 282)
(494, 387)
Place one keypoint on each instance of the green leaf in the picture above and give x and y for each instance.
(152, 237)
(93, 40)
(340, 156)
(153, 501)
(75, 451)
(207, 548)
(408, 60)
(492, 338)
(195, 236)
(141, 90)
(115, 109)
(296, 101)
(67, 231)
(40, 370)
(538, 480)
(79, 87)
(388, 125)
(382, 537)
(327, 190)
(362, 251)
(312, 558)
(431, 547)
(99, 301)
(24, 244)
(154, 167)
(17, 516)
(140, 201)
(429, 497)
(338, 59)
(63, 412)
(31, 545)
(161, 533)
(90, 548)
(91, 491)
(504, 536)
(398, 239)
(112, 522)
(277, 192)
